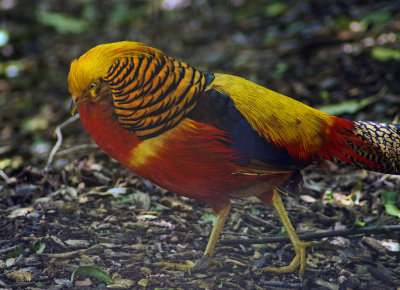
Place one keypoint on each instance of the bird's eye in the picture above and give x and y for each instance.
(92, 86)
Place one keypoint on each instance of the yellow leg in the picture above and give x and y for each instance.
(298, 245)
(222, 216)
(206, 260)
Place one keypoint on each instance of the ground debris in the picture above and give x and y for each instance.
(84, 208)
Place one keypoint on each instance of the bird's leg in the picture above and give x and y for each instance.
(299, 246)
(205, 261)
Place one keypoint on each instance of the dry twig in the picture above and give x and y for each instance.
(316, 236)
(59, 139)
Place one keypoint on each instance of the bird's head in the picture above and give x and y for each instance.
(86, 74)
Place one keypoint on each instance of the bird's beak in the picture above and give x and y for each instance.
(73, 106)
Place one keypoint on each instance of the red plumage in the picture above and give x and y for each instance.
(212, 137)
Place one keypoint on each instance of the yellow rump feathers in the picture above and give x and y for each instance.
(279, 119)
(95, 63)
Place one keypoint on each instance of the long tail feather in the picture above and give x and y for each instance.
(382, 150)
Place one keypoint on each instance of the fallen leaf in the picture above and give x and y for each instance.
(83, 283)
(175, 203)
(143, 282)
(93, 271)
(77, 243)
(389, 199)
(10, 262)
(308, 198)
(20, 276)
(20, 212)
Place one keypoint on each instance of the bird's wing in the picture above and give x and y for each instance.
(303, 132)
(255, 152)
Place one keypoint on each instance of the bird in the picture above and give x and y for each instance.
(212, 136)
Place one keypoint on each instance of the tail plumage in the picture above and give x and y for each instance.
(381, 149)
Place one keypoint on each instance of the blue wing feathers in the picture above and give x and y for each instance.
(221, 112)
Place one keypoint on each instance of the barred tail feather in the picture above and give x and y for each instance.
(383, 147)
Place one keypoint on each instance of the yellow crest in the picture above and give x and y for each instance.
(95, 63)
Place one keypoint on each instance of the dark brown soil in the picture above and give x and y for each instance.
(86, 209)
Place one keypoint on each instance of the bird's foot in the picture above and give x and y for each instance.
(202, 264)
(300, 259)
(206, 262)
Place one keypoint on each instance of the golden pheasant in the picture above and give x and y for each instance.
(212, 137)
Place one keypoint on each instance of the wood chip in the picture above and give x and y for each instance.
(175, 203)
(20, 276)
(143, 282)
(326, 285)
(77, 243)
(58, 241)
(83, 283)
(374, 245)
(236, 262)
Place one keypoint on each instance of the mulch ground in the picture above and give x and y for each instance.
(87, 210)
(125, 226)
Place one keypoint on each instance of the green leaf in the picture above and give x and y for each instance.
(389, 199)
(42, 246)
(348, 107)
(35, 123)
(255, 212)
(342, 21)
(18, 251)
(37, 250)
(275, 9)
(329, 194)
(360, 223)
(376, 17)
(94, 271)
(325, 95)
(62, 23)
(385, 54)
(280, 69)
(209, 217)
(282, 233)
(158, 207)
(270, 37)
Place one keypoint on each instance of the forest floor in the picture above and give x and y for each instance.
(85, 209)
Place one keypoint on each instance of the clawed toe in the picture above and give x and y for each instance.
(298, 260)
